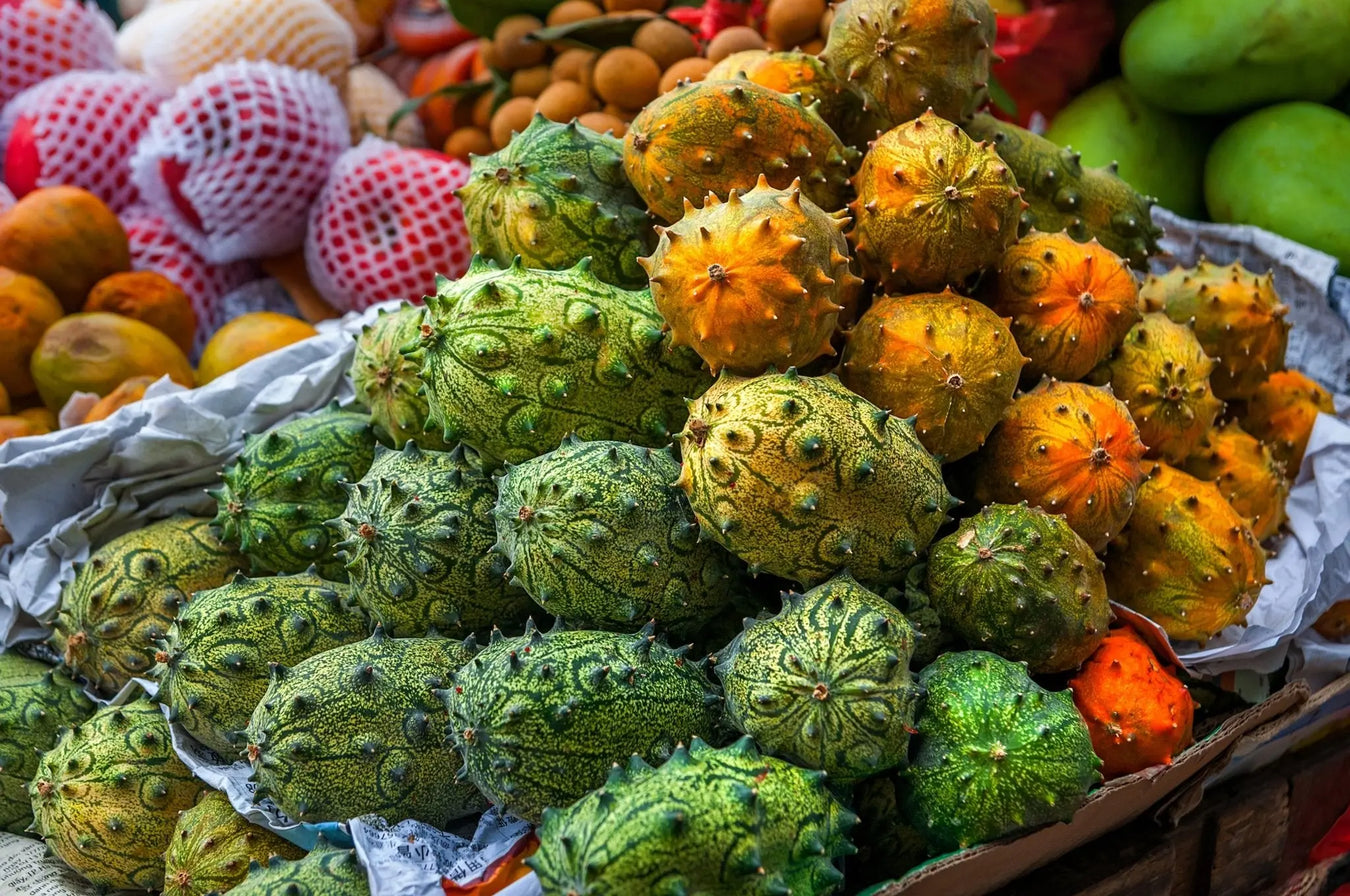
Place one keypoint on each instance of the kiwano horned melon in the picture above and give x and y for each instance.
(826, 682)
(1061, 194)
(418, 538)
(515, 359)
(1237, 316)
(213, 846)
(997, 753)
(125, 597)
(27, 309)
(1247, 474)
(1017, 581)
(598, 535)
(801, 478)
(358, 730)
(151, 298)
(247, 337)
(390, 383)
(36, 703)
(107, 796)
(756, 281)
(1282, 413)
(1186, 560)
(67, 238)
(1066, 448)
(1071, 303)
(718, 136)
(97, 352)
(933, 206)
(707, 821)
(1138, 712)
(557, 193)
(326, 870)
(287, 483)
(213, 667)
(945, 360)
(540, 719)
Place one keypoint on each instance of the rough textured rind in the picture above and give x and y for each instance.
(887, 845)
(390, 384)
(826, 682)
(725, 821)
(418, 539)
(541, 718)
(125, 597)
(1019, 582)
(597, 534)
(213, 667)
(514, 360)
(1247, 474)
(931, 639)
(213, 846)
(106, 797)
(1282, 413)
(325, 871)
(997, 753)
(358, 730)
(1186, 560)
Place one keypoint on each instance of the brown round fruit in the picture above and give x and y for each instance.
(564, 101)
(487, 53)
(574, 65)
(482, 110)
(693, 69)
(634, 5)
(530, 81)
(466, 141)
(67, 238)
(150, 297)
(813, 47)
(627, 77)
(734, 40)
(790, 23)
(27, 309)
(602, 122)
(513, 116)
(512, 44)
(666, 42)
(570, 11)
(826, 22)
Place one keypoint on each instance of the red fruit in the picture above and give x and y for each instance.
(442, 115)
(424, 28)
(42, 38)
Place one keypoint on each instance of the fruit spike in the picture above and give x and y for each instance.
(1247, 474)
(1282, 413)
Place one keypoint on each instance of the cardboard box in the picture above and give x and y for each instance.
(1325, 713)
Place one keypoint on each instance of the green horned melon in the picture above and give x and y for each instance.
(213, 846)
(515, 359)
(597, 535)
(125, 597)
(213, 667)
(418, 537)
(325, 871)
(726, 821)
(541, 718)
(826, 682)
(390, 384)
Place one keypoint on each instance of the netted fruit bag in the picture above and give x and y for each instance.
(42, 38)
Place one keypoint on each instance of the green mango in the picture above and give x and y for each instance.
(1284, 168)
(1160, 154)
(1217, 56)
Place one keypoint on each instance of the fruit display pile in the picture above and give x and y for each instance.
(746, 514)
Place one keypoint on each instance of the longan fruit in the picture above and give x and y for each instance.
(487, 52)
(564, 101)
(624, 115)
(665, 41)
(733, 40)
(514, 115)
(695, 68)
(826, 21)
(627, 77)
(600, 122)
(531, 81)
(570, 11)
(634, 5)
(482, 110)
(512, 46)
(574, 65)
(790, 23)
(468, 140)
(813, 47)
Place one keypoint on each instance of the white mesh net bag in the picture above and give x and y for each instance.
(235, 158)
(386, 224)
(41, 38)
(79, 129)
(372, 99)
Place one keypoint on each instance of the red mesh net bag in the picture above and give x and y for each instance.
(234, 159)
(386, 224)
(41, 38)
(80, 129)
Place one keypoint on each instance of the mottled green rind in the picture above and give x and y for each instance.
(598, 535)
(826, 682)
(107, 796)
(212, 847)
(931, 639)
(726, 821)
(36, 701)
(390, 384)
(997, 753)
(213, 669)
(541, 718)
(418, 535)
(517, 359)
(125, 597)
(358, 730)
(326, 871)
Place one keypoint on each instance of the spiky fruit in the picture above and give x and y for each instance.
(540, 719)
(996, 753)
(287, 483)
(36, 703)
(1237, 316)
(1071, 303)
(106, 797)
(914, 601)
(516, 359)
(597, 534)
(826, 682)
(1138, 713)
(390, 384)
(725, 821)
(757, 281)
(1087, 203)
(213, 846)
(1186, 560)
(358, 730)
(1282, 412)
(887, 846)
(1247, 474)
(933, 206)
(801, 478)
(326, 870)
(557, 193)
(418, 537)
(718, 136)
(125, 597)
(946, 360)
(213, 667)
(1019, 582)
(913, 55)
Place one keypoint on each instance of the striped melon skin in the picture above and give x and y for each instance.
(212, 847)
(326, 871)
(390, 384)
